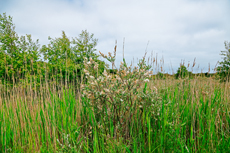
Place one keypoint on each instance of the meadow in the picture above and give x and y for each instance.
(125, 111)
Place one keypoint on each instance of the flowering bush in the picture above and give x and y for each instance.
(118, 96)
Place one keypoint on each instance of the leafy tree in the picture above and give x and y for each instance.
(59, 55)
(67, 56)
(223, 70)
(17, 54)
(182, 72)
(84, 47)
(20, 56)
(8, 36)
(8, 39)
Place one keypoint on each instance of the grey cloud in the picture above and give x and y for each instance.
(179, 29)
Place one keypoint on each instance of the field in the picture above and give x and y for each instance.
(123, 112)
(61, 97)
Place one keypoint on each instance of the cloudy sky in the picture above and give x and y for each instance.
(177, 30)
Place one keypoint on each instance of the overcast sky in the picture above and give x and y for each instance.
(175, 29)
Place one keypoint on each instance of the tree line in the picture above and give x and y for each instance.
(20, 57)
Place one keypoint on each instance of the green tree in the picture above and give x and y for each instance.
(8, 36)
(17, 54)
(182, 72)
(84, 47)
(20, 56)
(58, 52)
(223, 70)
(67, 56)
(8, 39)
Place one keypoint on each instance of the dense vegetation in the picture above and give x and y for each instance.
(20, 57)
(71, 102)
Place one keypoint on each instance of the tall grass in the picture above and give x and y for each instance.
(185, 115)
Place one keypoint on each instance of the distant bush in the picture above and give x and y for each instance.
(160, 75)
(182, 72)
(223, 71)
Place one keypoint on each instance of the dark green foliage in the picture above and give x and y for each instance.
(182, 72)
(223, 70)
(160, 75)
(113, 71)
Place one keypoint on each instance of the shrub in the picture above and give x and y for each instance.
(118, 96)
(182, 72)
(223, 71)
(160, 75)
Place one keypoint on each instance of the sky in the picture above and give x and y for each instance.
(173, 30)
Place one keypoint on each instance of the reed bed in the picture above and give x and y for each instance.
(129, 111)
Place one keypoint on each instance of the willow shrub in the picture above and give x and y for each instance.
(118, 96)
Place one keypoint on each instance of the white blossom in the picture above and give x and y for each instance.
(105, 73)
(146, 73)
(106, 90)
(95, 66)
(92, 77)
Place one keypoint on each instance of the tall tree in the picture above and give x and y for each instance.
(8, 36)
(16, 53)
(66, 55)
(84, 46)
(58, 52)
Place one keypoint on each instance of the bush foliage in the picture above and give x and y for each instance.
(115, 96)
(182, 72)
(223, 70)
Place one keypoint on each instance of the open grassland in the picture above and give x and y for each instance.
(187, 115)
